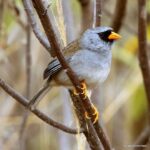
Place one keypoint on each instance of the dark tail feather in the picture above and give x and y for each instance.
(46, 73)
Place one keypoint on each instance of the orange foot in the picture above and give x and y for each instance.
(83, 90)
(94, 117)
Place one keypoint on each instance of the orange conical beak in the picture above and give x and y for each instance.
(114, 36)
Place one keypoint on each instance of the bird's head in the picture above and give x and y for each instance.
(98, 39)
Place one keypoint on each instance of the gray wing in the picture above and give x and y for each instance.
(53, 68)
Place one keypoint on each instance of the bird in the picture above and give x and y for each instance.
(89, 57)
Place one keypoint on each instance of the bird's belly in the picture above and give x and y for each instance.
(93, 76)
(89, 67)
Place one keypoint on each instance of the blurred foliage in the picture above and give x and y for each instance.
(8, 20)
(138, 103)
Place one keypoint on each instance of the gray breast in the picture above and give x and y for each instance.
(91, 66)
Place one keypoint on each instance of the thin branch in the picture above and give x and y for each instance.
(143, 56)
(87, 14)
(102, 136)
(35, 100)
(94, 142)
(22, 133)
(119, 14)
(28, 86)
(28, 63)
(28, 7)
(98, 13)
(126, 26)
(69, 20)
(101, 133)
(22, 100)
(36, 29)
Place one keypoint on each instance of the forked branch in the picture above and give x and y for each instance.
(22, 100)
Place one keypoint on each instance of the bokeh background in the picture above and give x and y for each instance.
(121, 99)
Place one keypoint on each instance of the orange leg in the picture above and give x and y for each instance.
(95, 114)
(83, 88)
(75, 92)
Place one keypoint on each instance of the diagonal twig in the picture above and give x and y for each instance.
(94, 143)
(36, 29)
(22, 100)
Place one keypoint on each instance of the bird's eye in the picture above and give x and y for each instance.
(104, 35)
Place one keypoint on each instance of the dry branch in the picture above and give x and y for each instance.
(28, 63)
(101, 134)
(126, 26)
(84, 123)
(143, 56)
(87, 14)
(98, 12)
(36, 29)
(69, 21)
(28, 86)
(119, 14)
(22, 100)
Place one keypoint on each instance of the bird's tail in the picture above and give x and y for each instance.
(39, 95)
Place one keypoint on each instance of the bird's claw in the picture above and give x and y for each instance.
(75, 92)
(94, 117)
(83, 89)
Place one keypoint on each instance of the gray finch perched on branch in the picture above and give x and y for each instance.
(89, 57)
